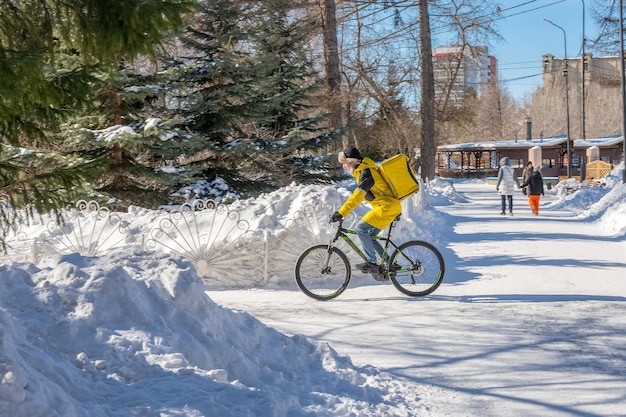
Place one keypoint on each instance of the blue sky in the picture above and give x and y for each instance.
(527, 37)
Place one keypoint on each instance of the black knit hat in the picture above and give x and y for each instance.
(350, 153)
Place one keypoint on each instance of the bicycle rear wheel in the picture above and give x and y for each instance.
(321, 273)
(421, 268)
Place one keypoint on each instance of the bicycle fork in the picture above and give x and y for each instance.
(326, 266)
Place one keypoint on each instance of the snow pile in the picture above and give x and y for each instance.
(441, 192)
(605, 204)
(124, 335)
(611, 210)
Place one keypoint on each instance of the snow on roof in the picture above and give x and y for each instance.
(599, 142)
(500, 144)
(527, 144)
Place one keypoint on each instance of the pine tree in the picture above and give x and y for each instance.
(141, 150)
(37, 37)
(245, 82)
(35, 96)
(48, 52)
(286, 85)
(213, 84)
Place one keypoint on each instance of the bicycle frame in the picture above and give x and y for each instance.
(343, 233)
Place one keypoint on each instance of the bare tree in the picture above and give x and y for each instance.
(472, 22)
(369, 40)
(427, 83)
(379, 55)
(606, 14)
(497, 115)
(331, 60)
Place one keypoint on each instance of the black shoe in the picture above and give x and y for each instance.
(368, 267)
(502, 213)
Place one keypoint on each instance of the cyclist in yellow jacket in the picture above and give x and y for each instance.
(374, 189)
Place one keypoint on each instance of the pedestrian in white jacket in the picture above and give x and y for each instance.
(506, 183)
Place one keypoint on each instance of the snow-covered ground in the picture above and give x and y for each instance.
(529, 321)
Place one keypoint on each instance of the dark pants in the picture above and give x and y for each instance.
(504, 198)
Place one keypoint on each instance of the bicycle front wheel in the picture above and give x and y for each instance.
(321, 273)
(421, 268)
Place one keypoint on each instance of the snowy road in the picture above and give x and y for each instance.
(530, 319)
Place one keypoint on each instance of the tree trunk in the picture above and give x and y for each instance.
(427, 95)
(331, 58)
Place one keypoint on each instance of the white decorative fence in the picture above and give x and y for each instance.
(213, 237)
(223, 248)
(15, 245)
(87, 229)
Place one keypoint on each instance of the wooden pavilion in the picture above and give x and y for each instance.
(480, 159)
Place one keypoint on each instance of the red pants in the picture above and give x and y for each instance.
(533, 202)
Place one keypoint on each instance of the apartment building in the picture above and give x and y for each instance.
(458, 69)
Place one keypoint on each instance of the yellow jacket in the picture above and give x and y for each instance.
(372, 187)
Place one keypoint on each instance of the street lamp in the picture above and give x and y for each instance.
(584, 136)
(565, 74)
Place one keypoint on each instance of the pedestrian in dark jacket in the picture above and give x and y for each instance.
(535, 190)
(526, 173)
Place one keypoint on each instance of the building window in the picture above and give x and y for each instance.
(547, 163)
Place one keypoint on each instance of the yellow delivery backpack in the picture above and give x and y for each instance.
(399, 175)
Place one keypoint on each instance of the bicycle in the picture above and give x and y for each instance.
(323, 271)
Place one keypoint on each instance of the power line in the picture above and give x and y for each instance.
(529, 10)
(497, 13)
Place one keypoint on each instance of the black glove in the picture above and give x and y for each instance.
(336, 217)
